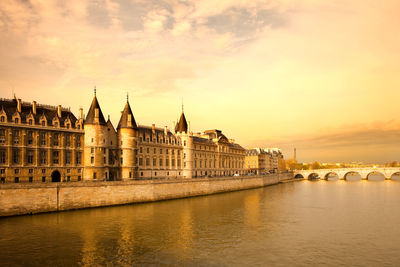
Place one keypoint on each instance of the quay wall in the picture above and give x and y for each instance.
(19, 199)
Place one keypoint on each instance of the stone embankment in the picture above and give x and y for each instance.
(19, 199)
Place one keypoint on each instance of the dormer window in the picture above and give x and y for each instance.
(79, 126)
(67, 125)
(16, 120)
(43, 123)
(30, 121)
(55, 124)
(2, 119)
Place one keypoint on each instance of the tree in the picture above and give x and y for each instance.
(316, 165)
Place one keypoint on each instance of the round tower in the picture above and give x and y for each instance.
(127, 142)
(182, 130)
(95, 128)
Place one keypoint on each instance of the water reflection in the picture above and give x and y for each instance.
(303, 223)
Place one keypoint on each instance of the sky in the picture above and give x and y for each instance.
(321, 76)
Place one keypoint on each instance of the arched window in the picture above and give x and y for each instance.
(2, 119)
(30, 122)
(16, 120)
(43, 123)
(55, 124)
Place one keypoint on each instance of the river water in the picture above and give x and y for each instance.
(294, 224)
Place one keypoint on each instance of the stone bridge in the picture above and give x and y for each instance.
(350, 174)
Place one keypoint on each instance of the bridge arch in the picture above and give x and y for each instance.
(352, 176)
(331, 176)
(395, 176)
(375, 176)
(313, 176)
(299, 176)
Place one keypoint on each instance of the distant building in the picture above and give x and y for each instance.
(264, 160)
(39, 143)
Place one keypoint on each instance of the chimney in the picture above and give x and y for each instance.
(59, 111)
(153, 128)
(96, 115)
(81, 113)
(34, 107)
(19, 104)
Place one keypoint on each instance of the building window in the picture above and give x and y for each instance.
(141, 173)
(147, 162)
(68, 157)
(140, 149)
(154, 162)
(2, 136)
(2, 156)
(147, 150)
(78, 141)
(67, 140)
(167, 162)
(161, 162)
(68, 178)
(79, 178)
(55, 139)
(78, 158)
(16, 171)
(30, 170)
(55, 157)
(43, 157)
(30, 157)
(92, 150)
(43, 123)
(16, 156)
(16, 120)
(94, 175)
(30, 137)
(130, 174)
(43, 179)
(31, 179)
(16, 137)
(3, 180)
(43, 139)
(16, 180)
(2, 119)
(30, 122)
(155, 151)
(2, 171)
(105, 160)
(91, 160)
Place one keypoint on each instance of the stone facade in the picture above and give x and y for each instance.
(39, 143)
(149, 152)
(18, 199)
(264, 160)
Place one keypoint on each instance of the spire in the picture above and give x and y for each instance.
(182, 125)
(94, 112)
(127, 120)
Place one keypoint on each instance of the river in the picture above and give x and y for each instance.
(305, 223)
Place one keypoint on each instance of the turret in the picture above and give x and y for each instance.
(181, 130)
(127, 141)
(95, 149)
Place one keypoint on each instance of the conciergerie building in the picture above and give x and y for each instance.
(42, 143)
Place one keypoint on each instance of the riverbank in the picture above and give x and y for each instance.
(20, 199)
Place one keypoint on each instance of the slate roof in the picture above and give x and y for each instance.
(182, 125)
(123, 122)
(91, 113)
(50, 112)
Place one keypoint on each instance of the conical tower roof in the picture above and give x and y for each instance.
(126, 116)
(90, 118)
(182, 125)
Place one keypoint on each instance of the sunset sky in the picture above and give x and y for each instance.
(322, 76)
